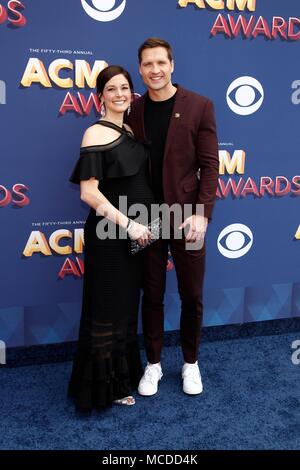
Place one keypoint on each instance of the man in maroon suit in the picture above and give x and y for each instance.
(180, 126)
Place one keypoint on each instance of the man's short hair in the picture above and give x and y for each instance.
(155, 42)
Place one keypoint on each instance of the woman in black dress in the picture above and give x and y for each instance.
(112, 163)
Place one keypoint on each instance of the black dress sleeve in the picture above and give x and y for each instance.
(90, 164)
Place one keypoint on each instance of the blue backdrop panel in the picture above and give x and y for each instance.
(50, 53)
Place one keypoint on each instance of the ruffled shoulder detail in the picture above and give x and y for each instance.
(90, 164)
(110, 161)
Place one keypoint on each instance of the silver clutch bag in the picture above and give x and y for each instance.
(156, 232)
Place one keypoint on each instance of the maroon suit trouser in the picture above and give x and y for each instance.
(190, 266)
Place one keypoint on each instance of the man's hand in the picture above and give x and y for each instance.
(197, 227)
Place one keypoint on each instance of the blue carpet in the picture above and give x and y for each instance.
(251, 400)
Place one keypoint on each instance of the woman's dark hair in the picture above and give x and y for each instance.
(109, 72)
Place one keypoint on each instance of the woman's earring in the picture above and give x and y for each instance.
(128, 110)
(102, 110)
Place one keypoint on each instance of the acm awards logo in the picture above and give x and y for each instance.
(65, 74)
(61, 242)
(248, 27)
(238, 186)
(83, 75)
(12, 13)
(103, 10)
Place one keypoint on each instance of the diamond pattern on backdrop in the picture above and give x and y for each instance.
(56, 323)
(295, 309)
(223, 306)
(268, 302)
(12, 326)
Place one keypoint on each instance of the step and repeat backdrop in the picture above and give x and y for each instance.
(244, 55)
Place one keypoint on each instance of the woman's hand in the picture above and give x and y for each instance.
(139, 232)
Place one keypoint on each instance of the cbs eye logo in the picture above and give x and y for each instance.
(245, 95)
(235, 241)
(103, 10)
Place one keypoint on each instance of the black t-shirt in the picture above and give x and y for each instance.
(157, 119)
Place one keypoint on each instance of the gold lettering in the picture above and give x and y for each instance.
(54, 69)
(220, 4)
(83, 72)
(37, 243)
(234, 164)
(216, 4)
(241, 4)
(35, 72)
(78, 240)
(184, 3)
(55, 238)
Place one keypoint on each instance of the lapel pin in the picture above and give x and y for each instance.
(177, 115)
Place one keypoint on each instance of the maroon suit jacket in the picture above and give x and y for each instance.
(191, 144)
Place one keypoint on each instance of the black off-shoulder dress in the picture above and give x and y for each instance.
(107, 365)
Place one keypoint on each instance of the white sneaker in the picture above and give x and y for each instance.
(192, 383)
(149, 382)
